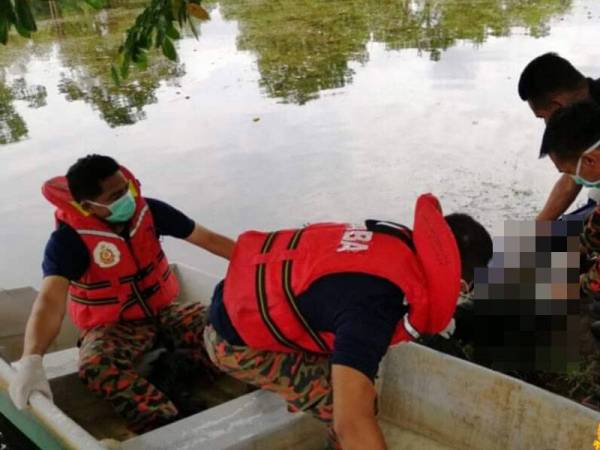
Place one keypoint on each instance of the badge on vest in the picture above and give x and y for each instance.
(355, 239)
(106, 254)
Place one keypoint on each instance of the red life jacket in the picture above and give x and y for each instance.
(126, 279)
(269, 270)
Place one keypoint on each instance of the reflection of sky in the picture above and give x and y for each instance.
(404, 126)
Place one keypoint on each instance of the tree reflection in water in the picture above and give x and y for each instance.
(305, 46)
(84, 43)
(302, 47)
(12, 125)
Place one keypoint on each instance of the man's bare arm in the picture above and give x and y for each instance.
(211, 241)
(354, 418)
(563, 194)
(46, 315)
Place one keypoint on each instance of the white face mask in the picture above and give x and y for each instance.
(578, 178)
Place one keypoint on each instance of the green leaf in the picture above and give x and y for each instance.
(182, 14)
(114, 72)
(4, 26)
(145, 42)
(24, 16)
(96, 4)
(175, 7)
(142, 60)
(161, 31)
(22, 31)
(125, 65)
(172, 32)
(193, 28)
(160, 37)
(7, 12)
(169, 50)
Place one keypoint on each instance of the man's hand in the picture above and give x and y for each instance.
(30, 378)
(211, 241)
(563, 194)
(354, 419)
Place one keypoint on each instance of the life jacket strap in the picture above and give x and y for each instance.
(409, 328)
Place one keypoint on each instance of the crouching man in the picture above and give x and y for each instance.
(309, 313)
(104, 263)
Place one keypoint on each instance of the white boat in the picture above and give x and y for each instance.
(427, 400)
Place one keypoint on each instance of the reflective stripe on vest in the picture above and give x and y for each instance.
(409, 328)
(261, 295)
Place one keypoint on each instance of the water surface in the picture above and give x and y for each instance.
(287, 112)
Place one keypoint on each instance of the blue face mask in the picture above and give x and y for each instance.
(121, 209)
(578, 179)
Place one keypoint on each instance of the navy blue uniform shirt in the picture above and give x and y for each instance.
(362, 310)
(66, 254)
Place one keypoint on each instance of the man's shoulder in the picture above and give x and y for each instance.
(65, 254)
(169, 220)
(158, 207)
(153, 203)
(64, 234)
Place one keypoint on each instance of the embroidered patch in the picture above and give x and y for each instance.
(355, 239)
(106, 254)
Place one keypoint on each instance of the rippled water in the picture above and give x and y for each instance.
(286, 112)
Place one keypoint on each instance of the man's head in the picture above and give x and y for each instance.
(550, 82)
(474, 244)
(572, 140)
(98, 184)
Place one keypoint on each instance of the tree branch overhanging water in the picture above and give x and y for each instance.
(158, 25)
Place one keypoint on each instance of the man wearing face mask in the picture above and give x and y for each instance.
(309, 313)
(572, 140)
(105, 265)
(547, 83)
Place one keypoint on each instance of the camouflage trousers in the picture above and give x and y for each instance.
(109, 354)
(302, 379)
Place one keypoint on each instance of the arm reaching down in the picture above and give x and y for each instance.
(563, 194)
(354, 418)
(42, 328)
(46, 315)
(211, 241)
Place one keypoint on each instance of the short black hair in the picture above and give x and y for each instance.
(571, 130)
(546, 75)
(474, 243)
(85, 175)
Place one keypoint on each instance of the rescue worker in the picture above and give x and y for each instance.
(104, 263)
(572, 140)
(548, 83)
(309, 313)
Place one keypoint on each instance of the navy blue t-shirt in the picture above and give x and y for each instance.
(66, 254)
(361, 310)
